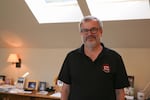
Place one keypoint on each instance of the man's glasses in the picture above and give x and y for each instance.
(92, 30)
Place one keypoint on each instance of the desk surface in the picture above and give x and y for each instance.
(33, 94)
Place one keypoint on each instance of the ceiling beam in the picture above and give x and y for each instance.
(84, 7)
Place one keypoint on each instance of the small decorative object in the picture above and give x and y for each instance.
(129, 91)
(42, 86)
(58, 86)
(140, 95)
(8, 81)
(131, 81)
(32, 85)
(2, 77)
(144, 93)
(20, 82)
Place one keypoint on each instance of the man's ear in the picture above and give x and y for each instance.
(101, 33)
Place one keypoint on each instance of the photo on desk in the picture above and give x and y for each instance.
(20, 82)
(131, 81)
(42, 86)
(2, 77)
(32, 85)
(129, 91)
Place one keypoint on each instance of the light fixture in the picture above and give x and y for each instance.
(14, 59)
(25, 75)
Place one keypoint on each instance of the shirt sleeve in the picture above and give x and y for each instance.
(64, 74)
(121, 78)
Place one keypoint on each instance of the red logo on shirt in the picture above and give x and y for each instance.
(106, 68)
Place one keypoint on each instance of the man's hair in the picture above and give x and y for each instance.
(89, 18)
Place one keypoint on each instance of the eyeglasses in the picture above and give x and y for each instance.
(92, 30)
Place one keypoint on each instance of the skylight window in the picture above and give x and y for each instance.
(55, 11)
(108, 10)
(56, 1)
(62, 11)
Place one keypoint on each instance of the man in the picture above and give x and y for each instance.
(93, 72)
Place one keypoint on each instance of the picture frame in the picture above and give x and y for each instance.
(20, 82)
(131, 81)
(129, 91)
(32, 85)
(42, 86)
(2, 77)
(59, 83)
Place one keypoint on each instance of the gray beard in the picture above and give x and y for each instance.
(90, 45)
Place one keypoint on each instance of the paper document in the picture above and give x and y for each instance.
(43, 92)
(56, 95)
(6, 88)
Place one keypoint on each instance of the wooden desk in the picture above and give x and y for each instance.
(26, 96)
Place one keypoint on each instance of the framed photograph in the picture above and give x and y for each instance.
(42, 86)
(20, 82)
(2, 77)
(131, 81)
(32, 85)
(129, 91)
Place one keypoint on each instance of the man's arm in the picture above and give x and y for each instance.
(120, 95)
(65, 91)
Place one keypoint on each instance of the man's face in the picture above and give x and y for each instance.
(91, 33)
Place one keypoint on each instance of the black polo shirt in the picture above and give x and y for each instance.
(93, 80)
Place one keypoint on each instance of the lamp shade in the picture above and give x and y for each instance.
(13, 58)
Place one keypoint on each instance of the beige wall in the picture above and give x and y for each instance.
(44, 64)
(137, 64)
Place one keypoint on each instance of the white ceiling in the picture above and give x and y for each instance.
(19, 28)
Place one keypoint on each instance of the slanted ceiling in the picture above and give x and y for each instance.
(19, 28)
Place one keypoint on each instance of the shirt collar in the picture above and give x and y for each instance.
(81, 49)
